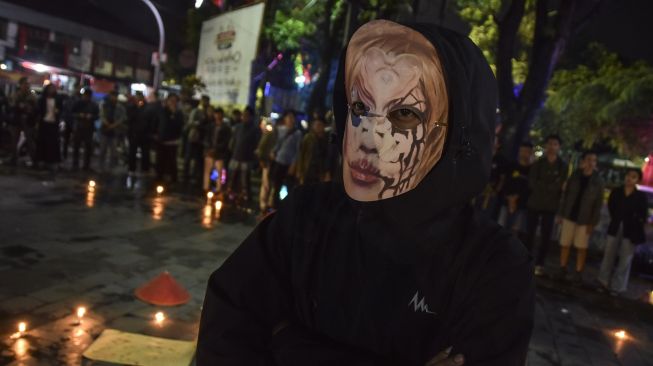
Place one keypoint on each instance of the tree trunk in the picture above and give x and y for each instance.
(508, 25)
(331, 44)
(549, 42)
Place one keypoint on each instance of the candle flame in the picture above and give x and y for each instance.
(218, 205)
(159, 189)
(22, 327)
(81, 311)
(209, 194)
(621, 334)
(91, 183)
(159, 317)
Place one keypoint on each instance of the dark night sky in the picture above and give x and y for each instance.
(127, 17)
(624, 26)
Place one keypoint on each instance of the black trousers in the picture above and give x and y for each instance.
(136, 142)
(83, 137)
(166, 161)
(48, 149)
(67, 134)
(536, 217)
(195, 154)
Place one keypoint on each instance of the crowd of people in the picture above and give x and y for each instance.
(530, 194)
(216, 152)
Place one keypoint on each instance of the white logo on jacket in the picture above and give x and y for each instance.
(420, 304)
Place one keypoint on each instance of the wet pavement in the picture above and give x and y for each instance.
(62, 246)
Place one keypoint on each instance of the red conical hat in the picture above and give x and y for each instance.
(163, 290)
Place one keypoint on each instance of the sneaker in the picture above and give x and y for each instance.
(539, 271)
(560, 274)
(576, 278)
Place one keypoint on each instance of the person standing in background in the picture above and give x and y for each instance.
(113, 115)
(244, 141)
(284, 154)
(236, 118)
(170, 125)
(85, 112)
(628, 214)
(265, 146)
(579, 214)
(22, 105)
(216, 149)
(312, 159)
(194, 131)
(48, 149)
(515, 192)
(69, 120)
(139, 131)
(545, 180)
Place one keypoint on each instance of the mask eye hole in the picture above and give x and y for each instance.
(405, 118)
(359, 109)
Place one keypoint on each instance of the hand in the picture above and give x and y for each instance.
(443, 359)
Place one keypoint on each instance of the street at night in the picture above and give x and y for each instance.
(62, 249)
(326, 183)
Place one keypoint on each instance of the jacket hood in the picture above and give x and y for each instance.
(464, 167)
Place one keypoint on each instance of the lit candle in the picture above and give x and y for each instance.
(209, 194)
(91, 183)
(159, 189)
(218, 205)
(22, 327)
(621, 334)
(159, 317)
(81, 311)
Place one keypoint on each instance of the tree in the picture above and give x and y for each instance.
(524, 40)
(603, 100)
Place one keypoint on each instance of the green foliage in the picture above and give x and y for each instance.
(603, 101)
(388, 9)
(290, 27)
(481, 15)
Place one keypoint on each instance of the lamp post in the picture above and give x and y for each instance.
(157, 67)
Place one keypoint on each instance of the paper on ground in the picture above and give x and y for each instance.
(137, 349)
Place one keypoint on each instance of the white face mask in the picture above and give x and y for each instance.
(396, 123)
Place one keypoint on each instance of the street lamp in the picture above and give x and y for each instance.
(157, 67)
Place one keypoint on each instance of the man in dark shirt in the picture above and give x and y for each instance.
(244, 142)
(22, 106)
(170, 124)
(628, 215)
(85, 112)
(393, 265)
(545, 180)
(516, 191)
(579, 213)
(140, 133)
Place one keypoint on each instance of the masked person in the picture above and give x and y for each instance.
(397, 265)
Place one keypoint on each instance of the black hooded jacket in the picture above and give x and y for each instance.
(327, 280)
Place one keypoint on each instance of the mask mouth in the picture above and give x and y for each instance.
(364, 173)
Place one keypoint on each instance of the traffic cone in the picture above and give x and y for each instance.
(163, 290)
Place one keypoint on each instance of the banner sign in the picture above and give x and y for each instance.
(227, 48)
